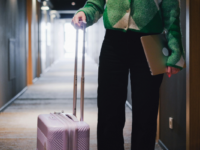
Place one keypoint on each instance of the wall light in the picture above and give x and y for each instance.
(45, 7)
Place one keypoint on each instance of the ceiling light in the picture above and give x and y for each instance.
(45, 7)
(73, 3)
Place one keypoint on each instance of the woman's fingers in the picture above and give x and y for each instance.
(77, 21)
(78, 17)
(172, 70)
(175, 70)
(83, 17)
(169, 70)
(72, 21)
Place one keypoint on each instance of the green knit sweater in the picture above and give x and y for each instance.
(146, 16)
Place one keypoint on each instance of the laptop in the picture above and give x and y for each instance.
(157, 52)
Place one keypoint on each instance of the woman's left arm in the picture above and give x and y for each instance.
(171, 19)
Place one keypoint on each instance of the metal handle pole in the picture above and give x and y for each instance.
(82, 77)
(75, 76)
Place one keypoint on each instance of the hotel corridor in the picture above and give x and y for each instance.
(53, 91)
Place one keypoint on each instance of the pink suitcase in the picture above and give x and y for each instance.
(62, 131)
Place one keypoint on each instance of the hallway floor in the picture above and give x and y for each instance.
(53, 91)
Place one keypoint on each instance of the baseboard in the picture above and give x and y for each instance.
(128, 104)
(49, 67)
(162, 145)
(34, 80)
(12, 100)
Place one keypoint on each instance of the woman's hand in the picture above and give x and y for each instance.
(172, 70)
(80, 16)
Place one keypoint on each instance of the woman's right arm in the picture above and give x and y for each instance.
(93, 10)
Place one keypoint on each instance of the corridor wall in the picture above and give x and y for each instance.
(95, 35)
(57, 39)
(35, 36)
(13, 53)
(14, 46)
(173, 102)
(51, 40)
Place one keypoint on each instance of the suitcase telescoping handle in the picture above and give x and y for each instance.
(83, 24)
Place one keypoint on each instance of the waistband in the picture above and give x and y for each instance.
(128, 35)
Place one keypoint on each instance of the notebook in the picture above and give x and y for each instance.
(157, 52)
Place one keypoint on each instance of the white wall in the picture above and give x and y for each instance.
(94, 38)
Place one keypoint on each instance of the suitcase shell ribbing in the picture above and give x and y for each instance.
(61, 131)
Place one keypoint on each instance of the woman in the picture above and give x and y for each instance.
(125, 22)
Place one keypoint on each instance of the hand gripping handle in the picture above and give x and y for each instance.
(83, 25)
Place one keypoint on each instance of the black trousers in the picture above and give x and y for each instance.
(120, 53)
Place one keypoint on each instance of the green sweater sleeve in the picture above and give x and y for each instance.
(171, 19)
(93, 10)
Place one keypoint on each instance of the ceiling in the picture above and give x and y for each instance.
(67, 4)
(64, 7)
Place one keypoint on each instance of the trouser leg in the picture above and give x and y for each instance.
(145, 100)
(112, 93)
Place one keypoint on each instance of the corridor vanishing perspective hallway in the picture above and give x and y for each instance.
(53, 91)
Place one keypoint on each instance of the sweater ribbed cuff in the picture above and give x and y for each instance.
(175, 66)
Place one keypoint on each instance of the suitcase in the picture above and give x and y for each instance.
(63, 131)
